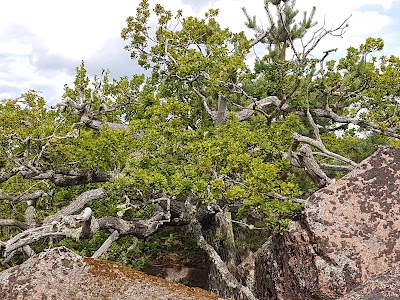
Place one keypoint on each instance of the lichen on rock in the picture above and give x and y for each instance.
(348, 236)
(61, 274)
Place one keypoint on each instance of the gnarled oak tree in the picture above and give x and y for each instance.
(202, 138)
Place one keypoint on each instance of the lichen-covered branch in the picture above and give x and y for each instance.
(67, 226)
(24, 197)
(76, 205)
(220, 265)
(11, 222)
(304, 159)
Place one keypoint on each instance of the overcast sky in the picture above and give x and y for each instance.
(43, 41)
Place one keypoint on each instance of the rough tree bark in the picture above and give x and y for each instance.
(231, 282)
(227, 247)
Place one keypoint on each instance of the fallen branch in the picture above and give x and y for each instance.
(67, 228)
(106, 245)
(26, 197)
(10, 222)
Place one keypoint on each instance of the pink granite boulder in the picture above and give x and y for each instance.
(385, 287)
(61, 274)
(350, 234)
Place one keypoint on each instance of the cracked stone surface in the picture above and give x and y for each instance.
(350, 234)
(61, 274)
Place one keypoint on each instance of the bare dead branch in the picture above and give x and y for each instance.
(106, 245)
(286, 198)
(79, 203)
(29, 236)
(320, 146)
(50, 138)
(260, 105)
(10, 222)
(326, 53)
(205, 104)
(67, 227)
(66, 177)
(73, 220)
(139, 228)
(273, 101)
(30, 215)
(249, 226)
(336, 168)
(98, 124)
(28, 250)
(305, 160)
(321, 33)
(25, 197)
(4, 176)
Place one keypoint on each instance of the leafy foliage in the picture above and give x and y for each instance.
(202, 129)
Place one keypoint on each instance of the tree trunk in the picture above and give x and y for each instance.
(229, 286)
(224, 229)
(222, 113)
(282, 49)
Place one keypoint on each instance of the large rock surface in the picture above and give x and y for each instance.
(350, 235)
(383, 287)
(61, 274)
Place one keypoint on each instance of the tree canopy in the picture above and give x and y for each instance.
(203, 135)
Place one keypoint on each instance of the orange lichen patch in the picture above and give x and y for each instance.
(117, 272)
(61, 274)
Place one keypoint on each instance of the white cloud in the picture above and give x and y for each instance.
(42, 41)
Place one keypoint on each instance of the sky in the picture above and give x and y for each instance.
(43, 41)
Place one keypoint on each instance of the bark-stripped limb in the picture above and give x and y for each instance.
(304, 159)
(11, 222)
(25, 197)
(228, 250)
(4, 176)
(54, 230)
(106, 245)
(60, 177)
(286, 198)
(79, 203)
(67, 228)
(325, 152)
(95, 124)
(89, 116)
(27, 249)
(319, 144)
(138, 228)
(336, 168)
(67, 178)
(328, 113)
